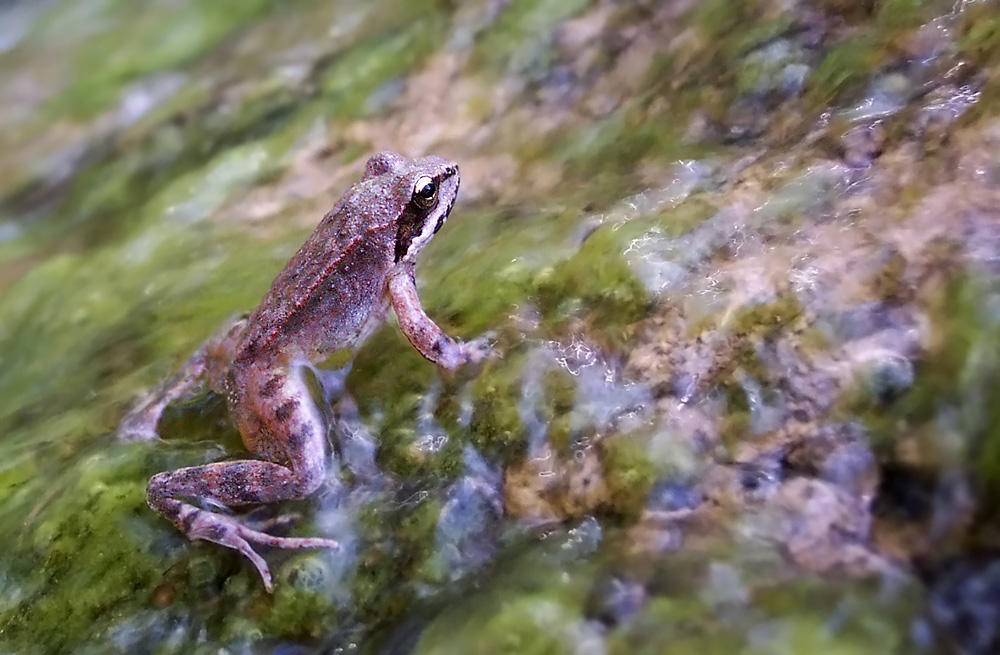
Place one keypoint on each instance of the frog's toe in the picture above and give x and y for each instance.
(199, 524)
(479, 349)
(266, 539)
(229, 532)
(279, 521)
(245, 549)
(255, 531)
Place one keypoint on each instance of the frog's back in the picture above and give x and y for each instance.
(326, 295)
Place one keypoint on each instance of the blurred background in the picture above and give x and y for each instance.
(741, 261)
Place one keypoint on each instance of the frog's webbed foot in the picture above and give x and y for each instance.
(477, 349)
(228, 531)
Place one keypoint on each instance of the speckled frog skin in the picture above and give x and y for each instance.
(334, 291)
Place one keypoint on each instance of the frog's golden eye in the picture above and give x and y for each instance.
(424, 192)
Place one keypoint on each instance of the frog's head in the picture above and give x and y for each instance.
(425, 189)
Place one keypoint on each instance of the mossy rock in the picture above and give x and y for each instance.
(87, 563)
(844, 70)
(519, 40)
(595, 284)
(629, 474)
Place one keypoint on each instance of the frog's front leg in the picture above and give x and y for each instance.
(423, 333)
(211, 360)
(279, 421)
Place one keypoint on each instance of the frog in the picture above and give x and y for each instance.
(359, 262)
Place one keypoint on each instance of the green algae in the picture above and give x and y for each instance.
(893, 16)
(416, 529)
(164, 300)
(874, 618)
(300, 613)
(889, 283)
(158, 38)
(149, 172)
(390, 380)
(745, 329)
(576, 286)
(348, 83)
(755, 31)
(533, 626)
(843, 72)
(979, 38)
(629, 474)
(669, 625)
(946, 413)
(761, 75)
(848, 65)
(600, 156)
(709, 602)
(557, 402)
(718, 19)
(496, 426)
(763, 320)
(484, 263)
(87, 550)
(530, 607)
(596, 284)
(399, 559)
(689, 214)
(196, 195)
(768, 319)
(99, 307)
(120, 171)
(84, 550)
(519, 41)
(761, 617)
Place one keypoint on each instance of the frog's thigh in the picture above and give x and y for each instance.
(242, 482)
(279, 421)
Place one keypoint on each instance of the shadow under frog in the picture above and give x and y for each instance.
(333, 293)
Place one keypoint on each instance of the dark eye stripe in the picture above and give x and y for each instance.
(414, 219)
(410, 224)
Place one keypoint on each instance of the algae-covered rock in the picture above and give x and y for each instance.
(719, 608)
(595, 284)
(629, 473)
(85, 555)
(737, 261)
(529, 608)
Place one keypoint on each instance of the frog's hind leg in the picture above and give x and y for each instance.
(281, 425)
(228, 531)
(210, 360)
(231, 484)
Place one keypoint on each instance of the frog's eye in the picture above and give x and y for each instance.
(425, 191)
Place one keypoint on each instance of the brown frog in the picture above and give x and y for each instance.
(334, 292)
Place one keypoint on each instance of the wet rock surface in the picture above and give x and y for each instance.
(740, 259)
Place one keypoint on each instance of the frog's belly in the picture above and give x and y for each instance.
(347, 329)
